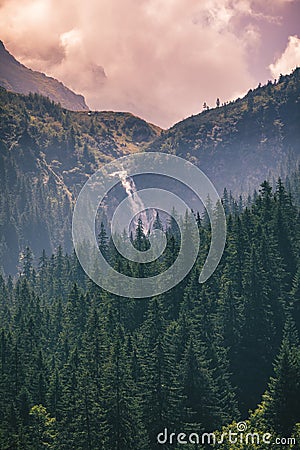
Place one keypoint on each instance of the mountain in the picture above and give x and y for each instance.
(46, 155)
(82, 368)
(243, 142)
(18, 78)
(48, 152)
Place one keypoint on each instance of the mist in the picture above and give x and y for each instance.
(159, 59)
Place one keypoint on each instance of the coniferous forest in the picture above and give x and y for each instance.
(82, 369)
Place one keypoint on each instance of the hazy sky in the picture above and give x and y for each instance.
(160, 59)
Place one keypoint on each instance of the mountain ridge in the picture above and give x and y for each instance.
(18, 78)
(47, 153)
(245, 141)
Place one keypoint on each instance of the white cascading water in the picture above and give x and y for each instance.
(137, 205)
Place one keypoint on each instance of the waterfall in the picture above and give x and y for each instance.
(137, 206)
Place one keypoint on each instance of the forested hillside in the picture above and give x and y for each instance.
(242, 142)
(83, 369)
(46, 155)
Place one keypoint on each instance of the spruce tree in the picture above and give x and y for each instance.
(282, 406)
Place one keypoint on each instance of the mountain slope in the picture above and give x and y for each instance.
(46, 155)
(242, 143)
(18, 78)
(73, 144)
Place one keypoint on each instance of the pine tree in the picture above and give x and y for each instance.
(26, 263)
(256, 350)
(160, 394)
(42, 429)
(103, 241)
(200, 397)
(282, 407)
(123, 415)
(157, 224)
(295, 299)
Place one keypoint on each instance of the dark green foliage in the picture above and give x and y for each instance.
(83, 369)
(282, 406)
(46, 154)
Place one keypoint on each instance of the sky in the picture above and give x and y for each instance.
(159, 59)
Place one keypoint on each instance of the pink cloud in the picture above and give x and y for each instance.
(289, 60)
(160, 59)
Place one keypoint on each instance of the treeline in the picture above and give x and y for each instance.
(83, 369)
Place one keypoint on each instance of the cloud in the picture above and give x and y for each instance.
(160, 59)
(289, 60)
